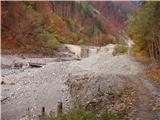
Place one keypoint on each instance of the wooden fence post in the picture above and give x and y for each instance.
(43, 111)
(59, 108)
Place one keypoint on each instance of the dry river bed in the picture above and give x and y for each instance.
(26, 91)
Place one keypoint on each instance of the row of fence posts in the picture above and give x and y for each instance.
(59, 109)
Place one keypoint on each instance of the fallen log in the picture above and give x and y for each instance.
(37, 65)
(4, 99)
(3, 83)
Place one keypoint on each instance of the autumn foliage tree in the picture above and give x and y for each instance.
(144, 27)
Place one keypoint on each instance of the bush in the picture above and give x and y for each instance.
(87, 9)
(81, 113)
(29, 47)
(89, 31)
(52, 43)
(84, 41)
(107, 115)
(49, 39)
(77, 114)
(80, 42)
(70, 23)
(120, 49)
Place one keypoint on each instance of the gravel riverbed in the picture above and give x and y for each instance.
(26, 91)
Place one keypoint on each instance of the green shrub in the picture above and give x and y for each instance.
(52, 43)
(107, 115)
(49, 39)
(120, 49)
(80, 42)
(89, 31)
(81, 114)
(87, 9)
(69, 23)
(78, 113)
(29, 47)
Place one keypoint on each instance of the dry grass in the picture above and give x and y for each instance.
(154, 72)
(141, 58)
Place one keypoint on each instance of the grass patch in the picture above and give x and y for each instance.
(108, 115)
(78, 113)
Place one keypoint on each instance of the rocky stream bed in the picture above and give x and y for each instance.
(25, 91)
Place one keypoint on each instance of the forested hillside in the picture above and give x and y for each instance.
(80, 60)
(144, 29)
(44, 25)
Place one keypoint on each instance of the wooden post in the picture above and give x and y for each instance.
(43, 111)
(59, 108)
(29, 113)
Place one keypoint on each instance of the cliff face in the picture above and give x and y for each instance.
(39, 25)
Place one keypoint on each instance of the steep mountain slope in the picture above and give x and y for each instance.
(30, 24)
(41, 26)
(115, 12)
